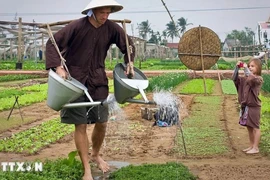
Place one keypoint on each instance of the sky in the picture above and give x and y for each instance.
(221, 16)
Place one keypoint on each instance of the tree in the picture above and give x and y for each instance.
(182, 23)
(172, 30)
(144, 29)
(250, 36)
(245, 37)
(155, 37)
(164, 38)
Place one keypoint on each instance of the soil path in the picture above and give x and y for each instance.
(134, 140)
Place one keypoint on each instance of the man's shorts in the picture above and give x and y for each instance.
(81, 115)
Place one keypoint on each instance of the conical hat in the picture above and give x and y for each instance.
(102, 3)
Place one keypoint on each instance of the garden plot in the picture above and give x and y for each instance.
(134, 140)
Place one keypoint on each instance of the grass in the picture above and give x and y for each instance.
(27, 65)
(265, 125)
(166, 81)
(196, 86)
(171, 170)
(36, 93)
(203, 136)
(60, 169)
(13, 122)
(265, 130)
(149, 64)
(17, 77)
(37, 137)
(265, 104)
(228, 87)
(266, 83)
(71, 169)
(203, 132)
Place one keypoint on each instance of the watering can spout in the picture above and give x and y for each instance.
(152, 102)
(105, 103)
(140, 101)
(109, 100)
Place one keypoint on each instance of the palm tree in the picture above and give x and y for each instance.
(164, 37)
(182, 23)
(155, 37)
(172, 30)
(144, 29)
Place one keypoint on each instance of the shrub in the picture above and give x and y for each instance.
(196, 86)
(266, 83)
(166, 81)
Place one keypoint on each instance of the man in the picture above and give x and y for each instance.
(84, 44)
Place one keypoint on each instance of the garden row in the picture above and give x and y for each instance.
(38, 93)
(194, 141)
(149, 64)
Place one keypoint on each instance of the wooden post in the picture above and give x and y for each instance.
(266, 60)
(241, 51)
(19, 53)
(11, 49)
(20, 41)
(42, 48)
(23, 50)
(4, 53)
(140, 54)
(110, 54)
(127, 42)
(202, 59)
(219, 78)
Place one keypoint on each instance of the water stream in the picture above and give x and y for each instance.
(168, 106)
(115, 111)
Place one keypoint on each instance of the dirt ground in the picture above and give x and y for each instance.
(132, 139)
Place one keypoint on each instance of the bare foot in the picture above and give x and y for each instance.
(102, 165)
(247, 149)
(87, 177)
(253, 151)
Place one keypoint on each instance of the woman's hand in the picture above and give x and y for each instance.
(240, 64)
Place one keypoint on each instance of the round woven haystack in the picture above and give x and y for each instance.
(189, 48)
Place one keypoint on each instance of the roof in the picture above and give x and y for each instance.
(264, 25)
(172, 45)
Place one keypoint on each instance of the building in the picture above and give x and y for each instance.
(230, 45)
(174, 48)
(262, 34)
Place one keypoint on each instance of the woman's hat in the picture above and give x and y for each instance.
(103, 3)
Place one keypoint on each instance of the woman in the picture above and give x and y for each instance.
(248, 88)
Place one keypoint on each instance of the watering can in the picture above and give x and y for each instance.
(61, 92)
(126, 89)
